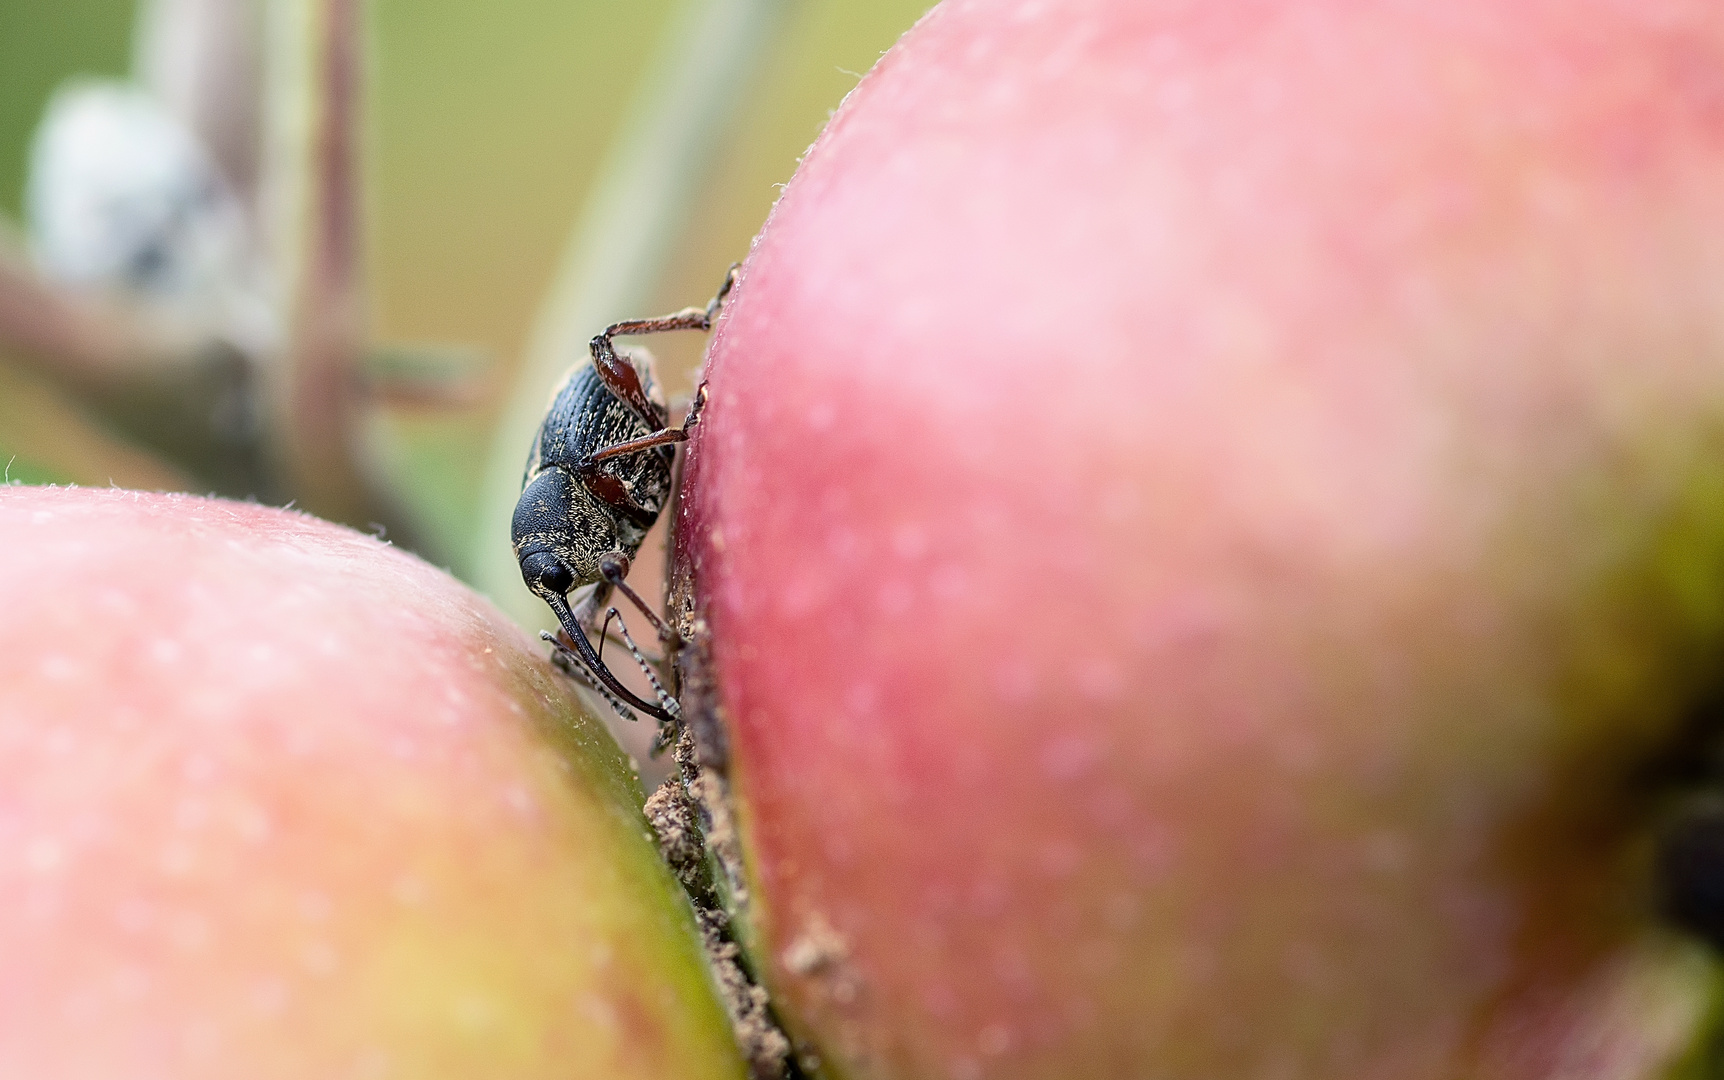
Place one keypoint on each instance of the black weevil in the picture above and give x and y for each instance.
(597, 478)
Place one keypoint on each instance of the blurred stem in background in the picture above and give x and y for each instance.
(82, 344)
(203, 59)
(640, 205)
(312, 197)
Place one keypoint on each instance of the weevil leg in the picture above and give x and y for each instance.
(689, 318)
(666, 738)
(610, 491)
(694, 409)
(631, 446)
(646, 442)
(620, 377)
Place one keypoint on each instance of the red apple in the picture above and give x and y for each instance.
(277, 800)
(1208, 514)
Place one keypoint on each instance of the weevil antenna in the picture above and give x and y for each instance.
(605, 629)
(658, 689)
(614, 571)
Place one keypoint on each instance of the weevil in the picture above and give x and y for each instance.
(597, 478)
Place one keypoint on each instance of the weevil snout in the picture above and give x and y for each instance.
(544, 572)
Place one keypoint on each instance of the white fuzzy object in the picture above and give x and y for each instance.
(122, 198)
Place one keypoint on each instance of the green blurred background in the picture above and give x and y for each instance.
(486, 124)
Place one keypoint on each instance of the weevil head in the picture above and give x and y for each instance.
(560, 533)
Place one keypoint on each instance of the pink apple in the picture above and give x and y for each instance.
(279, 801)
(1207, 514)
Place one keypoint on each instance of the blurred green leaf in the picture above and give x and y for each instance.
(41, 43)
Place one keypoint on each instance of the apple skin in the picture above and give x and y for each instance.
(277, 800)
(1211, 517)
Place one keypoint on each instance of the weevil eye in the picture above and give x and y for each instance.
(544, 572)
(614, 566)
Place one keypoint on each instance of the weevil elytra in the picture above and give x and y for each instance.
(597, 478)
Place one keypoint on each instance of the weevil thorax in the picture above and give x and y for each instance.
(563, 514)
